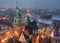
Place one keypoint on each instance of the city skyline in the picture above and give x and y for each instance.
(30, 3)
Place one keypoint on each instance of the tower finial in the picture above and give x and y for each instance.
(16, 3)
(17, 8)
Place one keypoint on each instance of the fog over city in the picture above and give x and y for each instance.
(31, 3)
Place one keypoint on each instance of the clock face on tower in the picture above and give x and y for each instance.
(17, 11)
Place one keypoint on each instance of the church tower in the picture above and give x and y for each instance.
(27, 20)
(16, 21)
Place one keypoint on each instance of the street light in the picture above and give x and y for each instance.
(4, 40)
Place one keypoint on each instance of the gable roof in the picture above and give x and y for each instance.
(22, 38)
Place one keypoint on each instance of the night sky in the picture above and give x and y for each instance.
(31, 3)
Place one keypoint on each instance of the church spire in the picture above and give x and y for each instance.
(17, 8)
(16, 22)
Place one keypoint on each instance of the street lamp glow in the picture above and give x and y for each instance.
(4, 40)
(52, 34)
